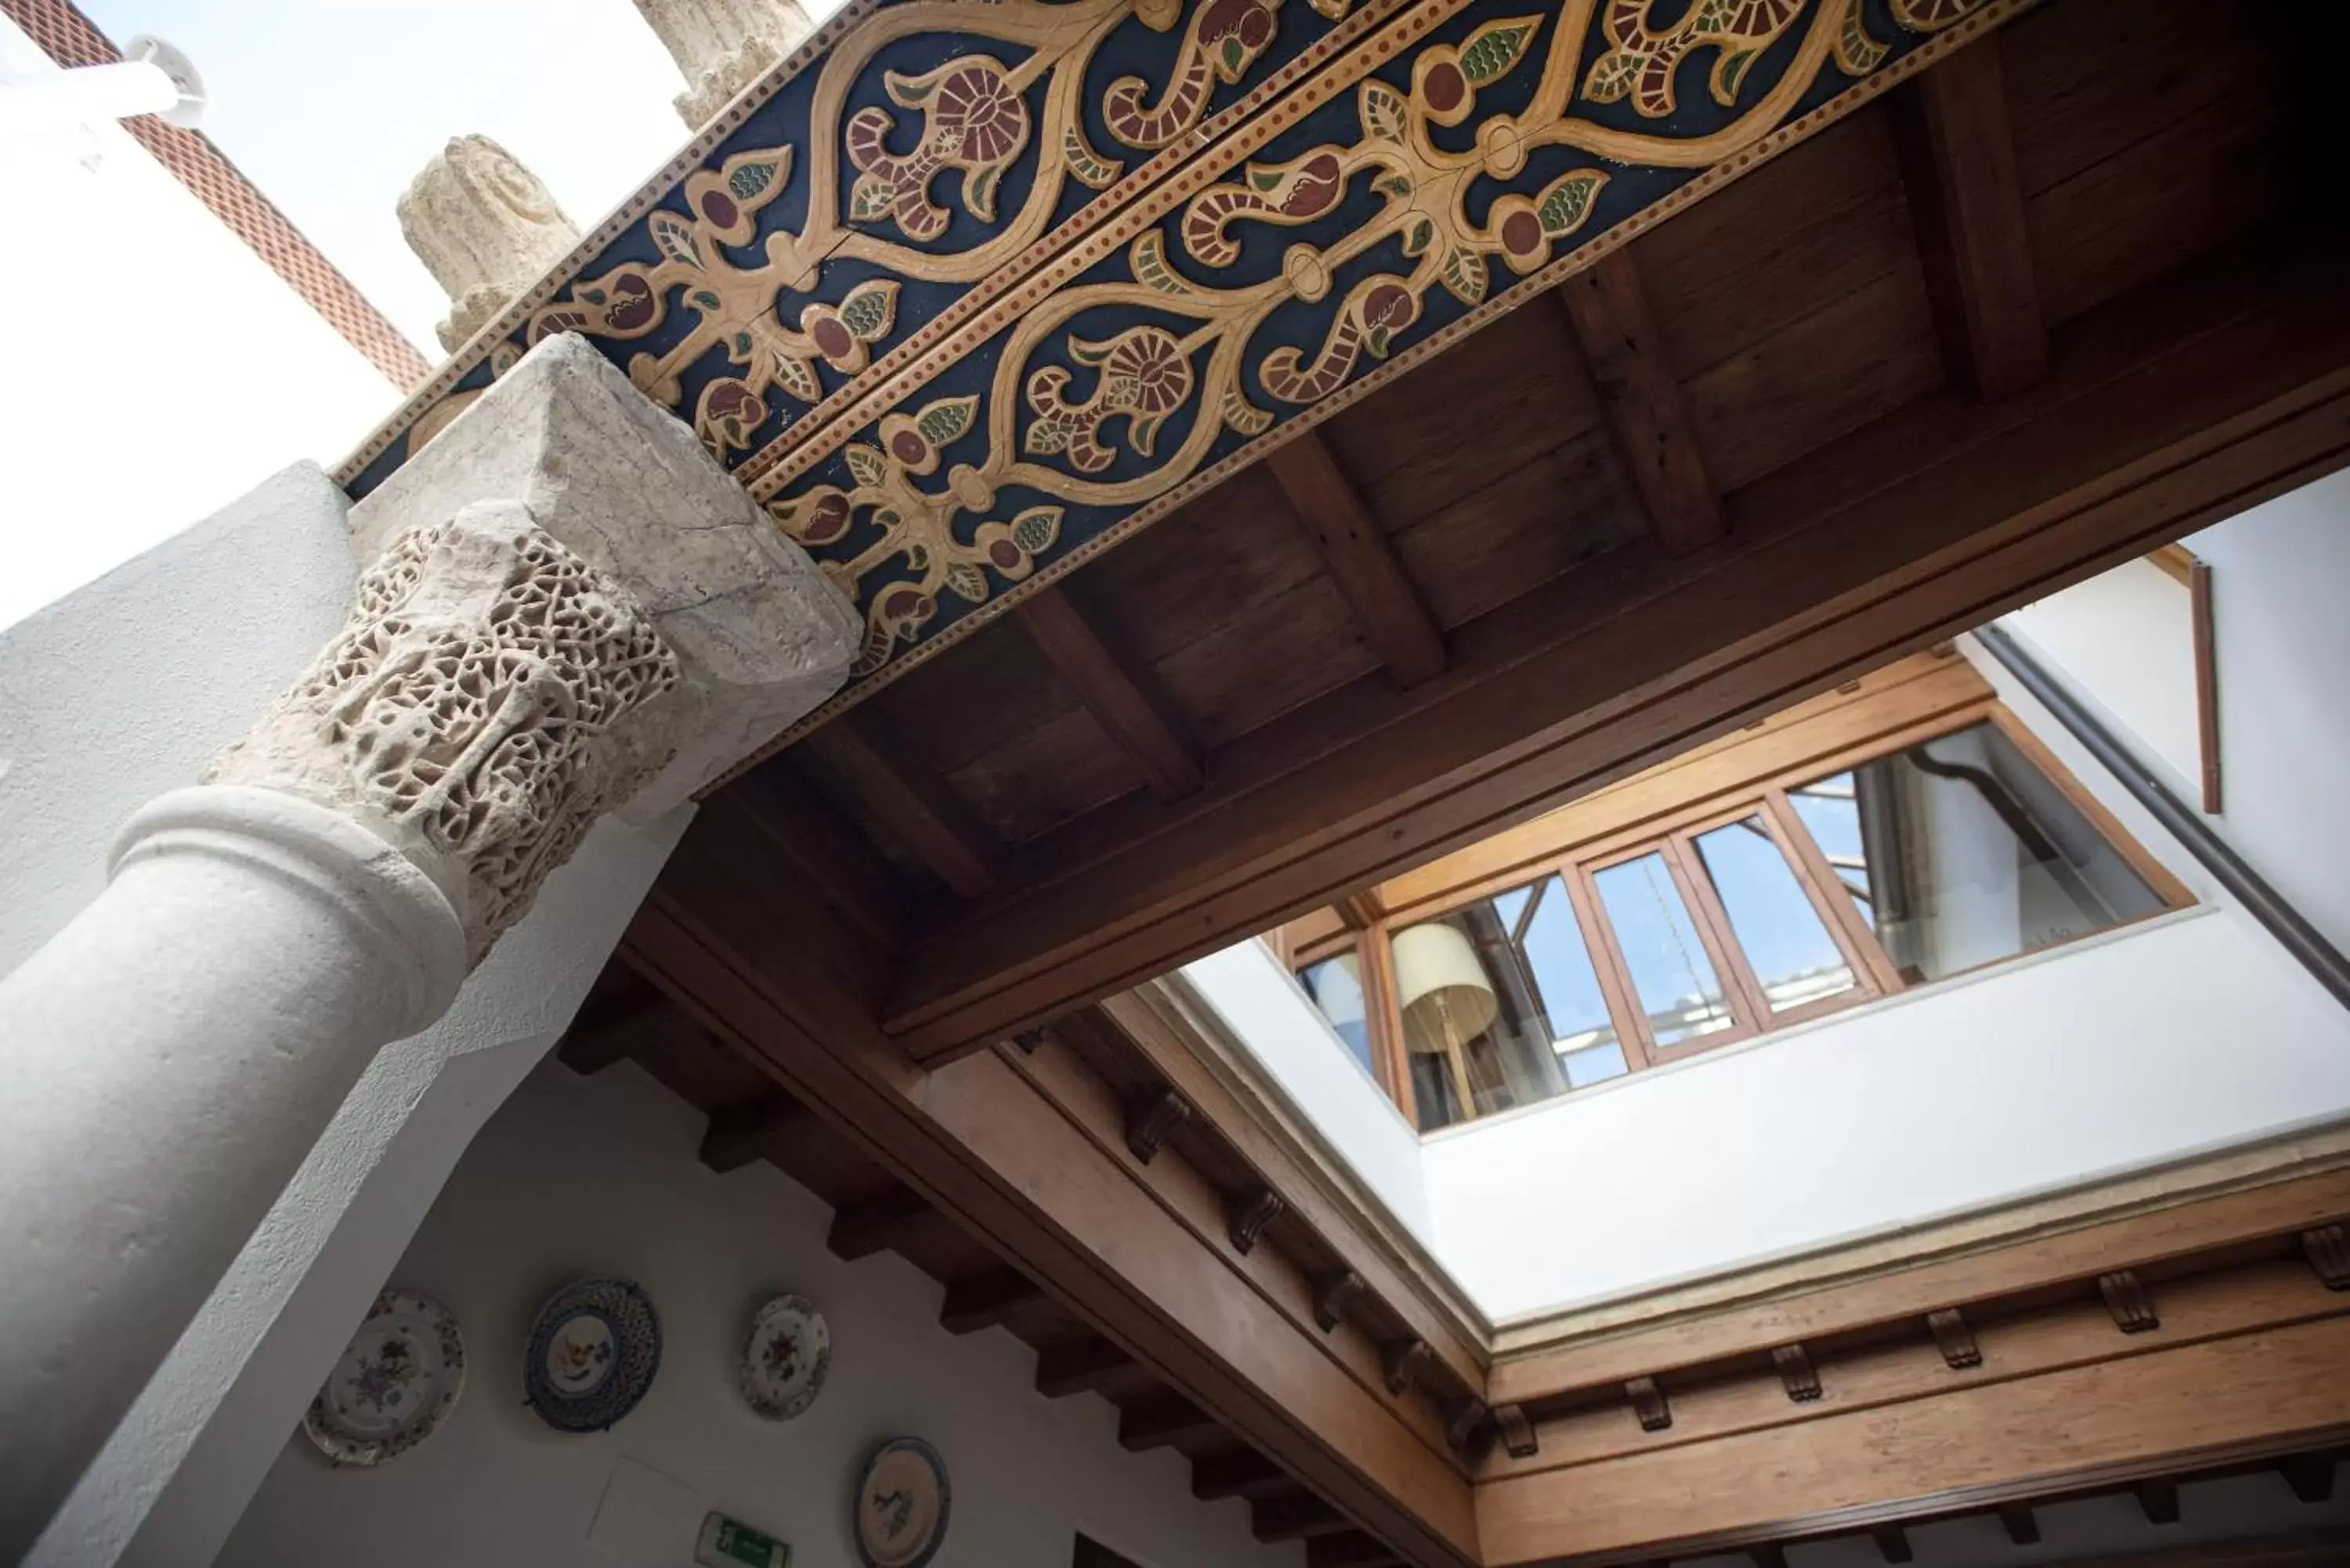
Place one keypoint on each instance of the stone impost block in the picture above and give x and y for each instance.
(759, 635)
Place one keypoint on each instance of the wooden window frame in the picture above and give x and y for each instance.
(1671, 831)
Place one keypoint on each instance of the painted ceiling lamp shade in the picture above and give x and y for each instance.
(396, 1383)
(1445, 995)
(785, 1357)
(593, 1352)
(902, 1502)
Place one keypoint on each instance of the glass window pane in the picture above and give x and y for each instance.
(1671, 975)
(1963, 853)
(1501, 1005)
(1794, 959)
(1830, 812)
(1336, 984)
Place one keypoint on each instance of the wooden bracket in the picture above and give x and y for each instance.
(1027, 1040)
(1079, 1369)
(1402, 1362)
(1796, 1372)
(2310, 1476)
(2327, 1247)
(2127, 1298)
(1892, 1543)
(738, 1134)
(1462, 1422)
(2159, 1500)
(986, 1301)
(1257, 1211)
(1954, 1339)
(1334, 1296)
(1517, 1432)
(1649, 1404)
(1148, 1121)
(2021, 1524)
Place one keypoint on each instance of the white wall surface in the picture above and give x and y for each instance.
(2126, 639)
(156, 366)
(578, 1176)
(123, 691)
(1270, 1016)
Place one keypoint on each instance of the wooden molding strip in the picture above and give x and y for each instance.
(1370, 575)
(1607, 311)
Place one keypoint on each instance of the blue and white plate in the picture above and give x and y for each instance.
(394, 1385)
(592, 1354)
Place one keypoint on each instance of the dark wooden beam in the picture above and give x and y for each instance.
(1966, 206)
(2159, 1501)
(1607, 311)
(1296, 1519)
(1245, 1473)
(986, 1300)
(925, 816)
(2023, 1525)
(608, 1031)
(1163, 1423)
(738, 1134)
(2310, 1476)
(1893, 1543)
(1121, 693)
(873, 1225)
(1387, 606)
(2165, 411)
(1080, 1368)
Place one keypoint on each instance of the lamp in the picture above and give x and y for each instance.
(1445, 997)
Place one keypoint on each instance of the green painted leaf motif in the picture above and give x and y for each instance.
(1149, 258)
(1729, 73)
(798, 378)
(1715, 17)
(1386, 112)
(1494, 47)
(1087, 164)
(1090, 353)
(1465, 274)
(1245, 416)
(944, 421)
(907, 90)
(870, 199)
(1044, 438)
(674, 237)
(1612, 78)
(1416, 238)
(748, 181)
(592, 295)
(702, 298)
(978, 190)
(968, 581)
(1377, 342)
(742, 354)
(866, 463)
(1235, 55)
(1264, 179)
(1567, 203)
(1394, 185)
(1035, 529)
(868, 309)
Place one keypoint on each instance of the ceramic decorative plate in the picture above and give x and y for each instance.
(592, 1354)
(786, 1358)
(901, 1505)
(395, 1384)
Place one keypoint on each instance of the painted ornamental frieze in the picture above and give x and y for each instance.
(966, 292)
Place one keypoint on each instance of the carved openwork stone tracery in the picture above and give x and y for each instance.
(464, 709)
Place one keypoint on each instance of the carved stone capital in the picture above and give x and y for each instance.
(722, 47)
(486, 229)
(568, 608)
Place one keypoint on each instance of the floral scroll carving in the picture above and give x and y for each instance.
(463, 707)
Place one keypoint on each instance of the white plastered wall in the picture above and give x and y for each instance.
(122, 692)
(579, 1177)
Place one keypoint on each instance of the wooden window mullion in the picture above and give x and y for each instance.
(1862, 949)
(1607, 963)
(1749, 1011)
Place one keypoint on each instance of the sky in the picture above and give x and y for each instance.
(331, 107)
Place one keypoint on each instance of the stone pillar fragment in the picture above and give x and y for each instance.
(569, 608)
(722, 47)
(486, 229)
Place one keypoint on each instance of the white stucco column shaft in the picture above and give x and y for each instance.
(196, 1027)
(568, 609)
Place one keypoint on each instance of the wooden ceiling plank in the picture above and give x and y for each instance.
(1966, 206)
(2173, 408)
(1123, 695)
(915, 807)
(1607, 310)
(1394, 619)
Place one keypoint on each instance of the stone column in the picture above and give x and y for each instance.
(569, 609)
(722, 47)
(485, 227)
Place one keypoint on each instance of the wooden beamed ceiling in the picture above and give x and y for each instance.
(2051, 303)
